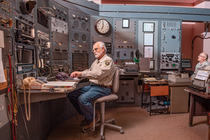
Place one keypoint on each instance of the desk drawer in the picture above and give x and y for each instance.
(159, 90)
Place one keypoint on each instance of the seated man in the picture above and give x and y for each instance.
(202, 58)
(100, 76)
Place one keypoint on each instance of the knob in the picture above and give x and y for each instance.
(86, 19)
(74, 16)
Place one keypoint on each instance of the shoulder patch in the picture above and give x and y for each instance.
(107, 62)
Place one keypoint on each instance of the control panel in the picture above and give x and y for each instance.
(80, 40)
(170, 45)
(59, 38)
(170, 60)
(5, 10)
(24, 31)
(26, 69)
(43, 53)
(124, 40)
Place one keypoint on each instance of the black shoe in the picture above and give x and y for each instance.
(83, 123)
(89, 126)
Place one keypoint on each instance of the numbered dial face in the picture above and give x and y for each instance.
(102, 26)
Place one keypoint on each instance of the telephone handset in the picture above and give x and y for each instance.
(27, 81)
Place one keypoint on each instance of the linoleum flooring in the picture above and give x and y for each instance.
(137, 125)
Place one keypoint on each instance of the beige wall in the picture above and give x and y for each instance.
(206, 45)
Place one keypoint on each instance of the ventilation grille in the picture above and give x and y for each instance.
(79, 61)
(170, 24)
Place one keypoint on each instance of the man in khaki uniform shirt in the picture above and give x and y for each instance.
(202, 58)
(100, 76)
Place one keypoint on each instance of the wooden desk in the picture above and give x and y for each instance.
(199, 106)
(157, 88)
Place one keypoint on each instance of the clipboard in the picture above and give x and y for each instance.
(4, 85)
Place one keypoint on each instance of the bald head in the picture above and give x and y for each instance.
(206, 55)
(202, 57)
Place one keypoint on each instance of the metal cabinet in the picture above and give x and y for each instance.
(178, 99)
(126, 91)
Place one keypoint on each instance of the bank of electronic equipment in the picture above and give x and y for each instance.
(200, 80)
(179, 78)
(131, 67)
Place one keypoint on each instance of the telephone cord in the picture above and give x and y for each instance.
(27, 109)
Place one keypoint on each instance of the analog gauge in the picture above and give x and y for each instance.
(102, 26)
(83, 25)
(76, 36)
(76, 24)
(54, 8)
(84, 37)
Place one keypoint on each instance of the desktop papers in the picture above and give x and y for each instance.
(2, 76)
(202, 75)
(60, 84)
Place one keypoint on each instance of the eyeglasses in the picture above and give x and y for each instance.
(201, 55)
(96, 49)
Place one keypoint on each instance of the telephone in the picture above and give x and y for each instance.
(30, 83)
(28, 80)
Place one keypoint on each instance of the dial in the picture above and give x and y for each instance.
(102, 26)
(65, 13)
(74, 16)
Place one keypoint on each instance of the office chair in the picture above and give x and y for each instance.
(102, 100)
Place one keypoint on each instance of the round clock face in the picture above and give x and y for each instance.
(102, 26)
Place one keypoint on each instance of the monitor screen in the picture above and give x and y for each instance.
(42, 19)
(186, 63)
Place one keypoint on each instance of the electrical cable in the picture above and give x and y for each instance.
(11, 87)
(8, 5)
(8, 102)
(49, 71)
(200, 38)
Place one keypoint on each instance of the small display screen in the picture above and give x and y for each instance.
(42, 19)
(25, 56)
(186, 63)
(125, 23)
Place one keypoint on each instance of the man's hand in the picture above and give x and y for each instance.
(76, 74)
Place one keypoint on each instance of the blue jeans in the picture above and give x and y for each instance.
(81, 99)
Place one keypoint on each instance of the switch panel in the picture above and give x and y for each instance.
(3, 112)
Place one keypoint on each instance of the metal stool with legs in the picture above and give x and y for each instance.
(102, 100)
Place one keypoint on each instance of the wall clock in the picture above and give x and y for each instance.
(102, 26)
